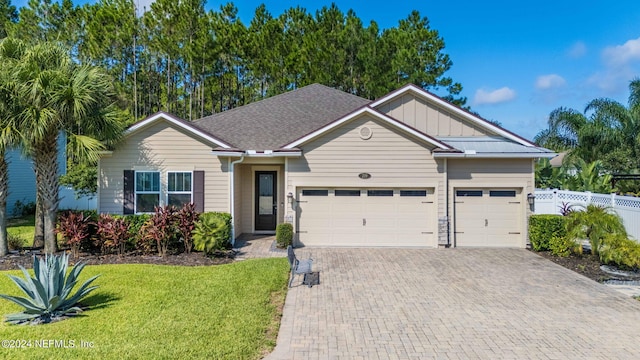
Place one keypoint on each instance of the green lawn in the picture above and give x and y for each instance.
(22, 227)
(163, 312)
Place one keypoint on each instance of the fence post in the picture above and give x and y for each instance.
(588, 198)
(555, 201)
(613, 200)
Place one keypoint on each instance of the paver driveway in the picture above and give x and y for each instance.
(453, 304)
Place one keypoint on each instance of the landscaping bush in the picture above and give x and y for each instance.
(14, 242)
(135, 223)
(284, 235)
(113, 233)
(542, 228)
(160, 231)
(563, 246)
(212, 232)
(75, 228)
(186, 219)
(618, 250)
(594, 223)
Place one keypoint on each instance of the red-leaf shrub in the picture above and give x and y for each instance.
(75, 228)
(160, 229)
(113, 233)
(186, 219)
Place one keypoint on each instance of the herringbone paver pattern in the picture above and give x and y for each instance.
(453, 304)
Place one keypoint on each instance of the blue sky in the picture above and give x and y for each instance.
(516, 63)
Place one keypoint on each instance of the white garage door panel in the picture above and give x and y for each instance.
(366, 220)
(488, 217)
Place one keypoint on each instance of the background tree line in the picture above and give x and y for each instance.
(178, 57)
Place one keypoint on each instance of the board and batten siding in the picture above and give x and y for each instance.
(394, 160)
(162, 147)
(491, 174)
(429, 118)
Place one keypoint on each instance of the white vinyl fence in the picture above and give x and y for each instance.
(628, 207)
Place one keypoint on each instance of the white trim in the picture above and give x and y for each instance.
(169, 192)
(437, 155)
(232, 197)
(255, 154)
(448, 106)
(374, 113)
(177, 122)
(135, 190)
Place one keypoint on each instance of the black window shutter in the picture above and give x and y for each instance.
(198, 190)
(129, 192)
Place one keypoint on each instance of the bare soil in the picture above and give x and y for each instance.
(586, 264)
(25, 259)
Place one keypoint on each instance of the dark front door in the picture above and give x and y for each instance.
(266, 201)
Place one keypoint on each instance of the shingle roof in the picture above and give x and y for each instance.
(270, 123)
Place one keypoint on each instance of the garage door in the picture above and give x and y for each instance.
(366, 217)
(488, 217)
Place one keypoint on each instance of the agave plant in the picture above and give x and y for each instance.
(49, 292)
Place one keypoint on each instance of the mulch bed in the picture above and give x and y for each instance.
(586, 264)
(25, 259)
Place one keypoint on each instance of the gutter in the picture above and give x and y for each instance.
(474, 155)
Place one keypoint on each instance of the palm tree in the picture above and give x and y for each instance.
(607, 131)
(56, 95)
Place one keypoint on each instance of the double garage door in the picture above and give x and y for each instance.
(488, 217)
(366, 217)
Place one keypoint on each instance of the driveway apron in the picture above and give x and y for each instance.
(453, 304)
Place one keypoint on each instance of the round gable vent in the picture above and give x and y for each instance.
(365, 133)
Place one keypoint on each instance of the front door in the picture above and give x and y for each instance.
(266, 200)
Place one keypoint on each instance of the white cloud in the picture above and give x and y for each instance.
(501, 95)
(577, 50)
(622, 54)
(550, 81)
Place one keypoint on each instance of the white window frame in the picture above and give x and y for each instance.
(136, 191)
(190, 192)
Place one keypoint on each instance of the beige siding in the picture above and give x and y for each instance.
(429, 118)
(393, 159)
(162, 147)
(491, 174)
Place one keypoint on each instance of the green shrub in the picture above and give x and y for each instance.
(594, 223)
(49, 291)
(542, 228)
(618, 250)
(212, 232)
(135, 223)
(563, 246)
(14, 242)
(284, 235)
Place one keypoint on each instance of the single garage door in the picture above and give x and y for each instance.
(366, 217)
(488, 217)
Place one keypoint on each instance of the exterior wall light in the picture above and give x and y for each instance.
(290, 198)
(531, 199)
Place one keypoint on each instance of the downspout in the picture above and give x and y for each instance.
(233, 198)
(446, 202)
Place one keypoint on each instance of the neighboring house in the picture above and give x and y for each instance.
(22, 179)
(408, 169)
